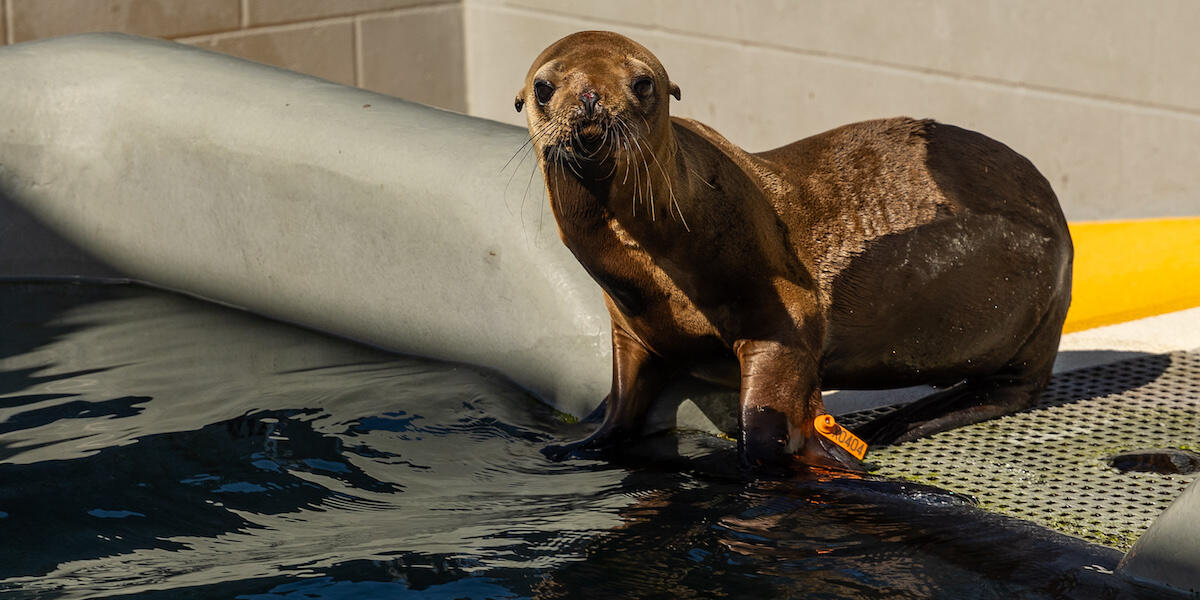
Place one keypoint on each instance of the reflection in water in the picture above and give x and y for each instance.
(156, 446)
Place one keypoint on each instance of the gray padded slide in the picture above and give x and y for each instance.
(300, 199)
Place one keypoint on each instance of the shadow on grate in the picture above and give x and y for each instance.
(1054, 464)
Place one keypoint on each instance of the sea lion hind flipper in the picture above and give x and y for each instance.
(820, 452)
(973, 401)
(1013, 388)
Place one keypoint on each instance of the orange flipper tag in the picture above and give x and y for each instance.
(830, 430)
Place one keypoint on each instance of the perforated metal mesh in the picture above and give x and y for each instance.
(1049, 464)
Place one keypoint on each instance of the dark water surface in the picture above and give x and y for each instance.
(155, 446)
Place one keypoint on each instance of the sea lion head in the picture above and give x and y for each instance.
(595, 96)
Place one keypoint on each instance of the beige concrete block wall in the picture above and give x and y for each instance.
(407, 48)
(417, 55)
(1102, 95)
(34, 19)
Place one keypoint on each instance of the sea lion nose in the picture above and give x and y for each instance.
(589, 99)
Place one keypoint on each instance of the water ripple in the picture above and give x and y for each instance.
(153, 446)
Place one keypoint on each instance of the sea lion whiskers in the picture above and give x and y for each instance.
(670, 188)
(624, 140)
(565, 160)
(560, 149)
(581, 145)
(649, 178)
(557, 162)
(558, 137)
(609, 147)
(628, 152)
(641, 152)
(631, 165)
(528, 146)
(701, 179)
(613, 169)
(622, 126)
(638, 194)
(627, 147)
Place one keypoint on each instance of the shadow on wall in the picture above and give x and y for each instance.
(31, 250)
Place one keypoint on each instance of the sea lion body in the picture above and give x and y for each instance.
(879, 254)
(937, 250)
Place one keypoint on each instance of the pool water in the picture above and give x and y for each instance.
(156, 446)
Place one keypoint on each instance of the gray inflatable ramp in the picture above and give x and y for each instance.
(343, 210)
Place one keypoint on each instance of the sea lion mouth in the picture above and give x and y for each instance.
(591, 142)
(587, 142)
(594, 148)
(591, 131)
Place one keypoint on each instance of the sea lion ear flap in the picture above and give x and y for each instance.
(675, 90)
(519, 102)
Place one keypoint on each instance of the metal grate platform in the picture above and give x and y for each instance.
(1049, 464)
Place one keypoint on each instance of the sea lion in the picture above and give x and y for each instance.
(879, 254)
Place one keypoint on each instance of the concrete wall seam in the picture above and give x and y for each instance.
(7, 25)
(1106, 156)
(848, 60)
(1102, 95)
(331, 40)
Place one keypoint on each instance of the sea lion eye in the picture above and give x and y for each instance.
(543, 90)
(643, 86)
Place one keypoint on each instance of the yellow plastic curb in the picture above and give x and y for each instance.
(1126, 270)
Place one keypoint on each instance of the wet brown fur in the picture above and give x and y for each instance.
(878, 254)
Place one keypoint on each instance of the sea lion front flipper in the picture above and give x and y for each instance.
(780, 396)
(597, 414)
(638, 376)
